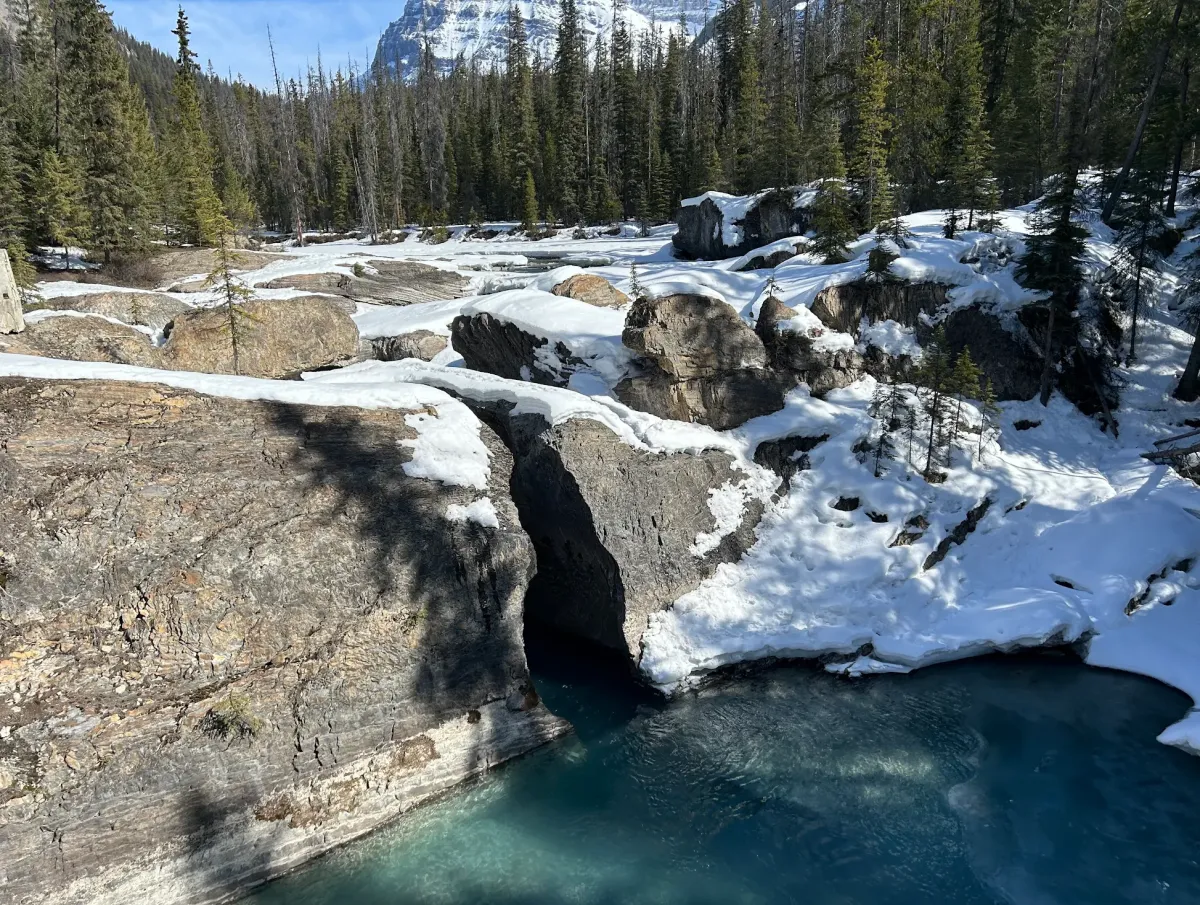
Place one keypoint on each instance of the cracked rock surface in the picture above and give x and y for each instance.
(234, 635)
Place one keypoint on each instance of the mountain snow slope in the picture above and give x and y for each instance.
(476, 28)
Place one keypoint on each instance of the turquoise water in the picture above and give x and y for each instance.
(1032, 780)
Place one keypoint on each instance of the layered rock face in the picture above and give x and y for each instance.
(236, 634)
(844, 307)
(275, 338)
(384, 283)
(796, 353)
(87, 338)
(146, 309)
(422, 344)
(620, 532)
(11, 320)
(701, 363)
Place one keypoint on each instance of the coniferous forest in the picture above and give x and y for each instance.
(956, 104)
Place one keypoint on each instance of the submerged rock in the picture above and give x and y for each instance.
(84, 338)
(277, 338)
(234, 635)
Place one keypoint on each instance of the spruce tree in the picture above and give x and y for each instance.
(869, 169)
(969, 185)
(934, 376)
(1052, 265)
(100, 135)
(831, 209)
(195, 208)
(231, 292)
(1139, 258)
(13, 217)
(60, 216)
(570, 75)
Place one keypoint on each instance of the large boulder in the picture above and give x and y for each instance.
(755, 221)
(276, 338)
(11, 320)
(144, 309)
(846, 306)
(692, 336)
(800, 346)
(620, 533)
(700, 362)
(723, 401)
(592, 289)
(423, 344)
(84, 338)
(383, 283)
(498, 346)
(236, 634)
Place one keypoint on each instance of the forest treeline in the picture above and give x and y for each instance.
(940, 103)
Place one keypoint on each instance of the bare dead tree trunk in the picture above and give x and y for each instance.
(1160, 62)
(288, 138)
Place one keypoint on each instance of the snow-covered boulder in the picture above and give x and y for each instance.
(139, 309)
(528, 334)
(422, 344)
(277, 338)
(846, 306)
(79, 337)
(715, 225)
(236, 633)
(593, 289)
(798, 344)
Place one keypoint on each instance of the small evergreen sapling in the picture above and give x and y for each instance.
(635, 286)
(232, 292)
(990, 412)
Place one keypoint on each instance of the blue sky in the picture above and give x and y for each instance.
(233, 33)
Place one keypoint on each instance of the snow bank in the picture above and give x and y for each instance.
(481, 512)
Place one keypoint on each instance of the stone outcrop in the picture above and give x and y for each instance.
(11, 319)
(84, 338)
(1006, 357)
(692, 336)
(277, 338)
(234, 635)
(772, 216)
(844, 307)
(145, 309)
(614, 527)
(797, 353)
(701, 362)
(723, 402)
(423, 344)
(592, 289)
(382, 283)
(497, 346)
